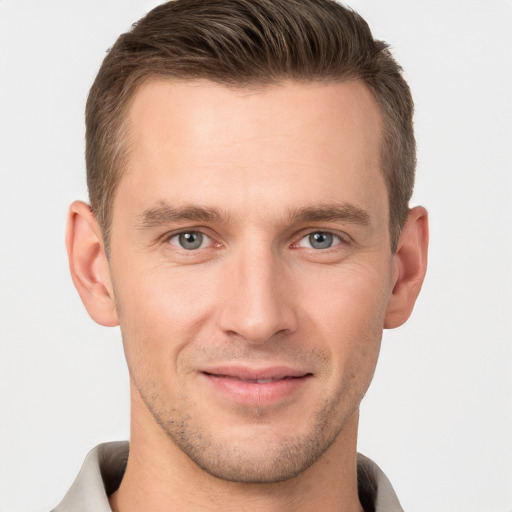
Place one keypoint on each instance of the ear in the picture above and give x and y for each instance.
(410, 266)
(89, 265)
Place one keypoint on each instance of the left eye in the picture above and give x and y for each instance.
(320, 240)
(190, 240)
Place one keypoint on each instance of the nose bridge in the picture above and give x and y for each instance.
(256, 305)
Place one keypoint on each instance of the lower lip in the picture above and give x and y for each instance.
(254, 393)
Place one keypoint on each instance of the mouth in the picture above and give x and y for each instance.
(261, 380)
(256, 386)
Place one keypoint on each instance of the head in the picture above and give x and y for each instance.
(250, 165)
(247, 44)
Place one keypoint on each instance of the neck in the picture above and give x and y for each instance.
(161, 478)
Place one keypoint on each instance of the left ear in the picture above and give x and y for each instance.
(410, 266)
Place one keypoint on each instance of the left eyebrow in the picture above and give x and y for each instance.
(343, 212)
(163, 214)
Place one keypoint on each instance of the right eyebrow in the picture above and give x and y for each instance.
(163, 214)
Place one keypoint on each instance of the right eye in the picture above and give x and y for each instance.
(190, 240)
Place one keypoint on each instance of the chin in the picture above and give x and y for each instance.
(260, 464)
(254, 454)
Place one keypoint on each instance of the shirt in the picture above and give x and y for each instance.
(104, 466)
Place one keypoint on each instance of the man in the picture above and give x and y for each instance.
(250, 165)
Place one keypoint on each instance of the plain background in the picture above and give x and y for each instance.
(438, 417)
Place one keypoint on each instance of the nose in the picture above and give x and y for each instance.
(257, 297)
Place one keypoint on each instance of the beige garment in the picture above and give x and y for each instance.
(104, 467)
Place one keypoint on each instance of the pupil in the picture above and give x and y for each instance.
(192, 240)
(320, 240)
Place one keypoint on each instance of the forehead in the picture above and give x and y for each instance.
(215, 142)
(194, 109)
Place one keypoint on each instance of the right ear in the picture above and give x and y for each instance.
(88, 264)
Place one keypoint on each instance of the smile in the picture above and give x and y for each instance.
(267, 380)
(260, 387)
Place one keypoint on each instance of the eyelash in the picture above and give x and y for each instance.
(169, 237)
(336, 240)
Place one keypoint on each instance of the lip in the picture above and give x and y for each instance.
(256, 386)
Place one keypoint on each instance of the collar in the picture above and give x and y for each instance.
(104, 467)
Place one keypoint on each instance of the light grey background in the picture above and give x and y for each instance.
(438, 418)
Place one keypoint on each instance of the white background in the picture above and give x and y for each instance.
(438, 417)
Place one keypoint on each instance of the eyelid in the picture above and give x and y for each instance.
(205, 242)
(342, 238)
(166, 238)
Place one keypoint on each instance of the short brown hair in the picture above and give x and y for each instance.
(244, 43)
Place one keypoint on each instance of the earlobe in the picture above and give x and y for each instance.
(410, 266)
(89, 265)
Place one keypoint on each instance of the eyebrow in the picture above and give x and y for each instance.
(337, 212)
(164, 213)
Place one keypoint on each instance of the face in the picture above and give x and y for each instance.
(251, 268)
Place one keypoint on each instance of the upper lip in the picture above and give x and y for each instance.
(252, 374)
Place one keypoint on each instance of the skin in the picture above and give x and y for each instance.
(255, 173)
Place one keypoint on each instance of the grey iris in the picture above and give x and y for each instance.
(191, 240)
(320, 240)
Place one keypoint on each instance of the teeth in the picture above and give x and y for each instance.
(264, 381)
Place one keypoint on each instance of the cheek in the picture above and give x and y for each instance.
(160, 310)
(347, 308)
(354, 296)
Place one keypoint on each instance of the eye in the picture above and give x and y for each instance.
(190, 240)
(320, 240)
